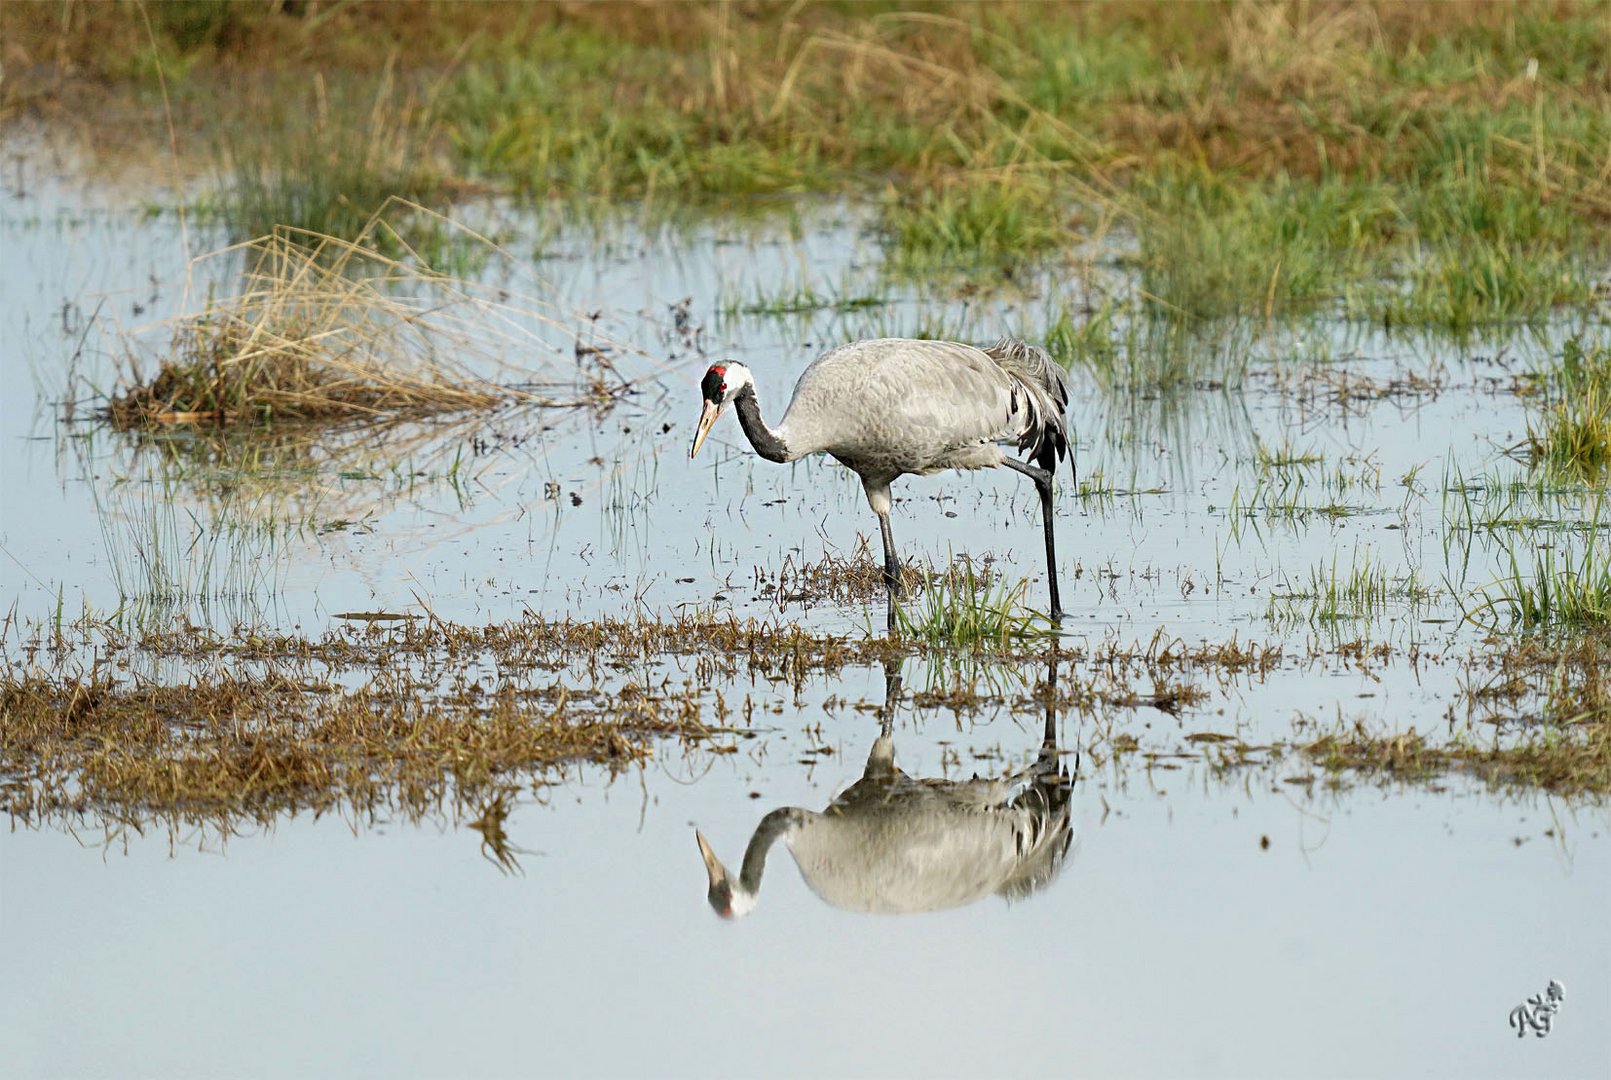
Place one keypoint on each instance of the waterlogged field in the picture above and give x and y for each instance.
(373, 651)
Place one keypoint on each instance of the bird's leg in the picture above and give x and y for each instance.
(1043, 485)
(892, 571)
(877, 489)
(892, 565)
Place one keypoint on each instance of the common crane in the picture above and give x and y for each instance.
(894, 843)
(891, 406)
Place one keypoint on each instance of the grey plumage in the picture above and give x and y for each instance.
(891, 406)
(1046, 384)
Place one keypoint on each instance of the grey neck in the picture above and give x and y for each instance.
(767, 832)
(763, 438)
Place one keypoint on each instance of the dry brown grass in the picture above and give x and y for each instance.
(229, 744)
(1547, 701)
(328, 329)
(409, 715)
(858, 577)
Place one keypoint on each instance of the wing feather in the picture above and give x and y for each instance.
(913, 406)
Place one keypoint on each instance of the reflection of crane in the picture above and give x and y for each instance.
(891, 406)
(892, 843)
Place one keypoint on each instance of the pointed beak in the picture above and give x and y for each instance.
(713, 866)
(707, 417)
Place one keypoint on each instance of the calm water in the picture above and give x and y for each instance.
(1382, 930)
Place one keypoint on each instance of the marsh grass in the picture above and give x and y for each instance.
(1572, 432)
(1003, 220)
(1497, 501)
(325, 329)
(1570, 760)
(1556, 583)
(1552, 522)
(328, 166)
(1427, 166)
(1548, 700)
(789, 303)
(224, 564)
(1127, 344)
(109, 722)
(967, 613)
(228, 744)
(1364, 590)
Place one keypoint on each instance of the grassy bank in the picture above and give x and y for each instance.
(1440, 165)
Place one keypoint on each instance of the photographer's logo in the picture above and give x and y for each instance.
(1539, 1012)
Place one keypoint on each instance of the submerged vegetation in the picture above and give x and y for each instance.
(1547, 707)
(403, 714)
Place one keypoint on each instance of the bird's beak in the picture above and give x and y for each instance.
(713, 865)
(707, 417)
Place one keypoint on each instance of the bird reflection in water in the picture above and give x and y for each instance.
(896, 843)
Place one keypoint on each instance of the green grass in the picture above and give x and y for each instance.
(1002, 221)
(1285, 456)
(800, 300)
(1431, 167)
(966, 614)
(333, 175)
(1572, 434)
(1553, 583)
(1333, 594)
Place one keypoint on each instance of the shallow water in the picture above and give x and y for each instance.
(1385, 929)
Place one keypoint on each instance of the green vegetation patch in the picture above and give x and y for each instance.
(1436, 166)
(1572, 433)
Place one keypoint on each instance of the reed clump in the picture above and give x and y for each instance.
(325, 329)
(1572, 431)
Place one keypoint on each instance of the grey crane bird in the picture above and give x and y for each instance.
(893, 843)
(892, 406)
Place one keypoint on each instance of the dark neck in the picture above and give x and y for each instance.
(767, 832)
(765, 441)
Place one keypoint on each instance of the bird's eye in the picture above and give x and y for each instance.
(724, 388)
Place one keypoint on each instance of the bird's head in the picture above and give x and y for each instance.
(721, 384)
(728, 898)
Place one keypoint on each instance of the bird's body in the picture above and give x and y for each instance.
(891, 406)
(887, 407)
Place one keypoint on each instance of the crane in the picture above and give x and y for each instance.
(890, 406)
(894, 843)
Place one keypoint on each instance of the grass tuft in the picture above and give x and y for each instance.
(326, 329)
(966, 613)
(1573, 432)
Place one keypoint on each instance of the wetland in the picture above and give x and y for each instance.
(384, 691)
